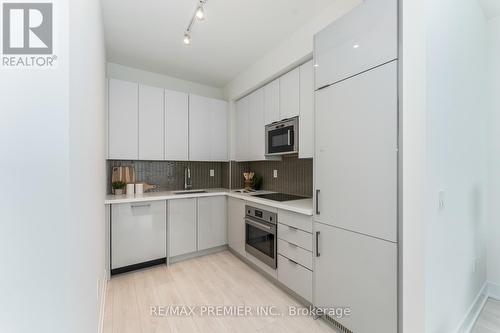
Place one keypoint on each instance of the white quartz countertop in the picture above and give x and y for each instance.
(302, 206)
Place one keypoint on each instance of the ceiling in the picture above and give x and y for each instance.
(148, 34)
(491, 8)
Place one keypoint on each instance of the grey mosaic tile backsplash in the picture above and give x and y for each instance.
(295, 176)
(169, 175)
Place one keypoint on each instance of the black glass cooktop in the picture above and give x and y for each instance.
(280, 196)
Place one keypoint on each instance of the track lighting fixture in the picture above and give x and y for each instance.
(199, 14)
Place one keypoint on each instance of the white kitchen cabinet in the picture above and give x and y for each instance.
(272, 102)
(360, 272)
(306, 120)
(205, 114)
(199, 128)
(364, 38)
(176, 126)
(138, 233)
(242, 131)
(219, 130)
(212, 222)
(356, 153)
(182, 226)
(236, 225)
(289, 94)
(256, 127)
(295, 277)
(123, 126)
(151, 123)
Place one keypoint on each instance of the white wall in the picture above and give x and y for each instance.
(121, 72)
(456, 122)
(412, 163)
(287, 53)
(494, 154)
(52, 207)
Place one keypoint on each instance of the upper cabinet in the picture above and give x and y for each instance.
(289, 94)
(151, 123)
(123, 126)
(272, 102)
(207, 129)
(256, 127)
(306, 120)
(365, 38)
(176, 126)
(242, 139)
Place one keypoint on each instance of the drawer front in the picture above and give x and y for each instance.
(295, 253)
(299, 221)
(295, 236)
(295, 277)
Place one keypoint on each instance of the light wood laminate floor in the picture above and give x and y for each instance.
(217, 279)
(489, 319)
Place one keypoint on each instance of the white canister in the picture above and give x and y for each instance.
(139, 188)
(130, 189)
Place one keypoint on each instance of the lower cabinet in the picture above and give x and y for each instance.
(212, 222)
(359, 272)
(295, 276)
(138, 233)
(236, 225)
(196, 224)
(182, 226)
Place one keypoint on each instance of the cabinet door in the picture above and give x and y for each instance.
(256, 127)
(359, 272)
(123, 127)
(199, 128)
(219, 130)
(236, 225)
(356, 157)
(151, 122)
(306, 121)
(242, 129)
(272, 102)
(182, 226)
(289, 94)
(138, 233)
(364, 38)
(176, 126)
(212, 222)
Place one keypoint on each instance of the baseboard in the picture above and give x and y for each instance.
(474, 310)
(197, 254)
(102, 306)
(494, 290)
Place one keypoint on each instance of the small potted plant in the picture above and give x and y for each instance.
(118, 187)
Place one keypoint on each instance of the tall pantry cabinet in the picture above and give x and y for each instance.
(356, 163)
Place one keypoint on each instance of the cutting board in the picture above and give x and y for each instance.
(125, 174)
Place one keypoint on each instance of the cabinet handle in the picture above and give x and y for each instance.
(139, 205)
(293, 261)
(317, 244)
(292, 228)
(317, 202)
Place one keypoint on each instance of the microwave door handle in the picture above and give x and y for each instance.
(289, 137)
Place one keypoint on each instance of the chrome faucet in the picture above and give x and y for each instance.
(187, 179)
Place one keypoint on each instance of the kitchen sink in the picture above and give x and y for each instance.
(190, 192)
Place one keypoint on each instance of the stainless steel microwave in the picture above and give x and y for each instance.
(282, 137)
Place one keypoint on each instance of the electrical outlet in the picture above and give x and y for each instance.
(475, 263)
(212, 172)
(275, 173)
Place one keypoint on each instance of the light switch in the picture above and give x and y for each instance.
(442, 199)
(212, 172)
(275, 173)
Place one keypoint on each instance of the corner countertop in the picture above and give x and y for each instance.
(302, 206)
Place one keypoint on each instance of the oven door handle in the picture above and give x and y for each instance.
(258, 225)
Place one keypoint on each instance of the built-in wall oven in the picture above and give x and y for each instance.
(282, 137)
(260, 235)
